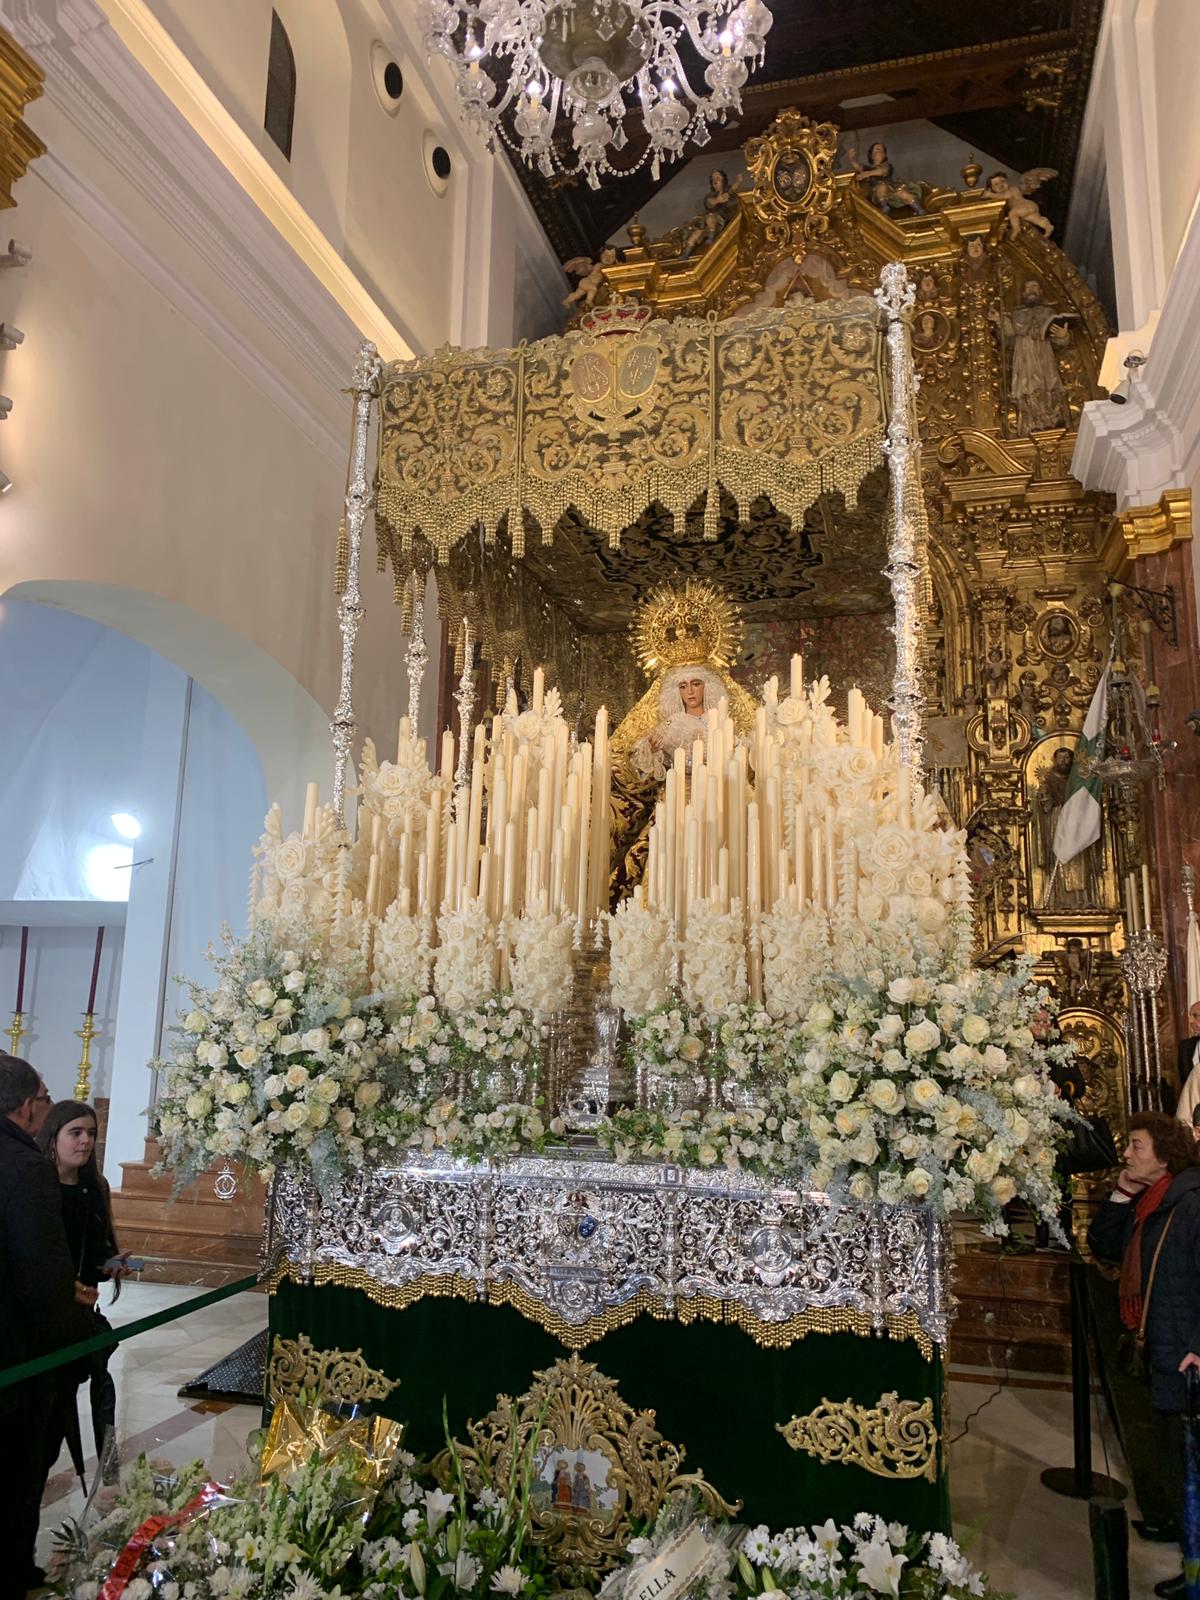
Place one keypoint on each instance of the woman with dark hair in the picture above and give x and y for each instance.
(68, 1137)
(1151, 1226)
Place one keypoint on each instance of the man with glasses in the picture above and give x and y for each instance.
(38, 1311)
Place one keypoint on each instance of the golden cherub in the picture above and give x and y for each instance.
(590, 274)
(1020, 207)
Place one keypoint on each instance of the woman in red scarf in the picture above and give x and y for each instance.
(1151, 1222)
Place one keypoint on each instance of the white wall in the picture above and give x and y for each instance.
(98, 723)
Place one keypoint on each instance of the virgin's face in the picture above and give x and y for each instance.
(75, 1142)
(691, 692)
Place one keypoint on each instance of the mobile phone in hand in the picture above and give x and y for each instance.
(124, 1263)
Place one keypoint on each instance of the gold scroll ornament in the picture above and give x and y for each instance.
(339, 1375)
(895, 1439)
(599, 1466)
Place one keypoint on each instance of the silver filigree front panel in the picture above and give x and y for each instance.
(583, 1235)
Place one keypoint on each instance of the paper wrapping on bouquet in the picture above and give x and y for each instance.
(142, 1542)
(298, 1433)
(683, 1552)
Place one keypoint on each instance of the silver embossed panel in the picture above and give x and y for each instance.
(583, 1235)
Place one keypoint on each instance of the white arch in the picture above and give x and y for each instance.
(288, 728)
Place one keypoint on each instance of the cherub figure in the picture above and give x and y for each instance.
(884, 189)
(718, 209)
(1021, 209)
(590, 274)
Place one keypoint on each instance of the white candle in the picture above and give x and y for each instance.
(311, 796)
(797, 684)
(1146, 894)
(539, 690)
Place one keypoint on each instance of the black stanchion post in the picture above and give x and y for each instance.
(1079, 1481)
(1110, 1548)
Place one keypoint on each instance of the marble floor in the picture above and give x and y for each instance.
(1032, 1543)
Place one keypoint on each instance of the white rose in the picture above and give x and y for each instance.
(861, 1186)
(900, 991)
(1027, 1087)
(197, 1106)
(820, 1016)
(237, 1093)
(994, 1058)
(344, 1119)
(327, 1090)
(283, 1008)
(981, 1165)
(923, 1093)
(195, 1022)
(884, 1095)
(354, 1029)
(261, 993)
(975, 1029)
(691, 1048)
(273, 1086)
(368, 1094)
(865, 1149)
(293, 982)
(931, 914)
(908, 1145)
(922, 1037)
(289, 1043)
(296, 1077)
(295, 1116)
(267, 1029)
(841, 1085)
(892, 847)
(1004, 1189)
(315, 1041)
(917, 881)
(289, 959)
(318, 1115)
(917, 1182)
(789, 712)
(961, 1057)
(247, 1056)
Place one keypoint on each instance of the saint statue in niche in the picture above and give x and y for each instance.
(686, 638)
(1034, 331)
(1077, 883)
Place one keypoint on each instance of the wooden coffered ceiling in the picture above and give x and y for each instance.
(1009, 77)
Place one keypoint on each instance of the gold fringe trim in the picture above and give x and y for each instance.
(576, 1336)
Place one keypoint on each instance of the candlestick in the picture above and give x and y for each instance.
(91, 1005)
(20, 1005)
(83, 1078)
(16, 1033)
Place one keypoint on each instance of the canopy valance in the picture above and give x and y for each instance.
(627, 411)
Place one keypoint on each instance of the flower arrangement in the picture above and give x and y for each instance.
(712, 969)
(464, 968)
(866, 1556)
(540, 966)
(277, 1065)
(318, 1532)
(642, 957)
(314, 1533)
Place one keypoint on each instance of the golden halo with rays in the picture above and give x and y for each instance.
(693, 624)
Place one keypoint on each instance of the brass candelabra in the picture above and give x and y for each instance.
(16, 1033)
(83, 1077)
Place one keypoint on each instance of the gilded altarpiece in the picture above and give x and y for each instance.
(1019, 557)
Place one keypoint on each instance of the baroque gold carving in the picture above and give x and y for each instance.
(337, 1375)
(21, 81)
(1148, 530)
(792, 168)
(617, 1467)
(895, 1439)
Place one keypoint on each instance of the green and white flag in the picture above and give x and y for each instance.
(1079, 820)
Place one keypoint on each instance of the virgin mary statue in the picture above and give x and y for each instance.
(686, 637)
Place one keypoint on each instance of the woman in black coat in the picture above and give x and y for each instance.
(68, 1137)
(1157, 1202)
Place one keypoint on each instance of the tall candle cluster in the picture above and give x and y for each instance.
(527, 834)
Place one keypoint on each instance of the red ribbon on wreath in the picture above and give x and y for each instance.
(129, 1560)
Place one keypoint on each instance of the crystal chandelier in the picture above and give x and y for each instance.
(522, 62)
